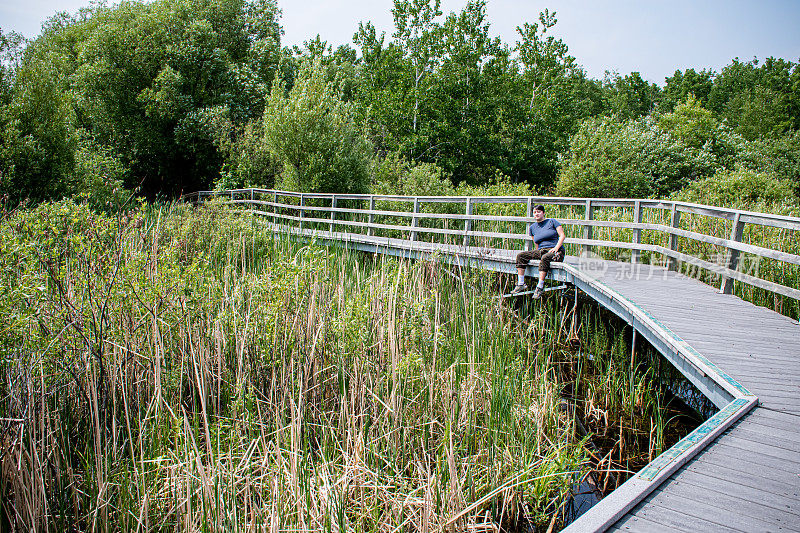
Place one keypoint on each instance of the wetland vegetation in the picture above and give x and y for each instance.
(185, 368)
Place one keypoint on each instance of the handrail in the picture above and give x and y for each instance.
(725, 213)
(301, 213)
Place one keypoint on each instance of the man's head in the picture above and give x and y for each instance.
(538, 213)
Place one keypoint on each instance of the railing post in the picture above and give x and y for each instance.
(333, 213)
(672, 243)
(371, 219)
(637, 233)
(302, 211)
(275, 207)
(468, 222)
(414, 220)
(528, 240)
(732, 259)
(587, 230)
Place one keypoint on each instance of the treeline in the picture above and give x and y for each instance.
(179, 95)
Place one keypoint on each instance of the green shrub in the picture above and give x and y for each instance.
(99, 176)
(779, 155)
(739, 188)
(635, 158)
(501, 185)
(396, 175)
(250, 162)
(695, 127)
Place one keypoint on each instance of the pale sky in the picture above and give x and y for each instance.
(650, 37)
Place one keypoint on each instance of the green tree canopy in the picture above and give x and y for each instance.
(162, 86)
(758, 101)
(634, 158)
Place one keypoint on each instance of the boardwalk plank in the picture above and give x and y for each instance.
(777, 430)
(755, 376)
(779, 402)
(702, 301)
(754, 369)
(679, 520)
(734, 469)
(717, 476)
(752, 364)
(747, 361)
(776, 390)
(745, 314)
(779, 396)
(754, 455)
(790, 407)
(759, 495)
(731, 505)
(763, 445)
(767, 437)
(751, 361)
(764, 415)
(744, 464)
(712, 345)
(773, 338)
(711, 511)
(638, 523)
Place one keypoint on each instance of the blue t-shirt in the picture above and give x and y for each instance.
(544, 233)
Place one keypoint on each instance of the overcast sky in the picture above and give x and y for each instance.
(650, 37)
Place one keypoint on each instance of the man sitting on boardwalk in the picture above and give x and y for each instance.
(548, 237)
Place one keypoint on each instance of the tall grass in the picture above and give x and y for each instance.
(181, 368)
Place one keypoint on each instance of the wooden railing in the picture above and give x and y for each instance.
(667, 241)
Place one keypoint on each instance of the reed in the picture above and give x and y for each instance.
(185, 368)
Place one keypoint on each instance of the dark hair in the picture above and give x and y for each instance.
(538, 208)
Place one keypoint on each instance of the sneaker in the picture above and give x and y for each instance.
(519, 288)
(537, 293)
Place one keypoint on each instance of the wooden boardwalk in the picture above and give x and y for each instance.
(739, 470)
(748, 479)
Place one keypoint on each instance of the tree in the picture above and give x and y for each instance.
(39, 139)
(418, 36)
(11, 47)
(545, 59)
(460, 132)
(758, 101)
(696, 129)
(546, 81)
(313, 134)
(681, 85)
(629, 96)
(162, 87)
